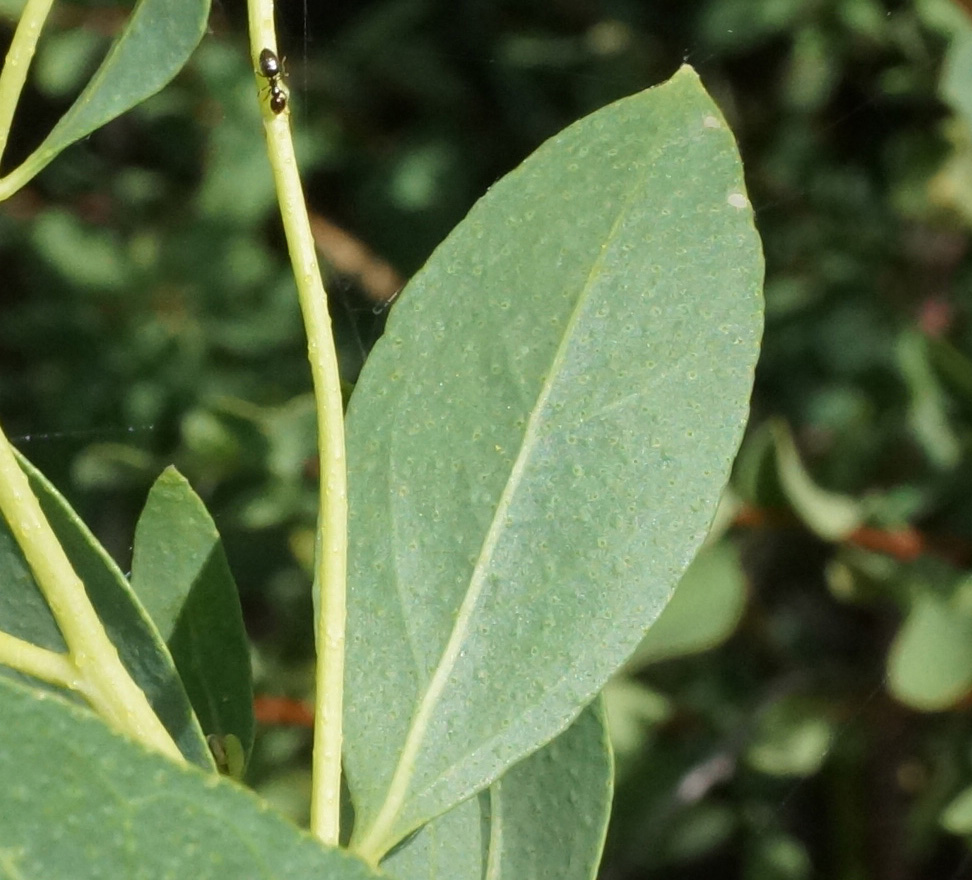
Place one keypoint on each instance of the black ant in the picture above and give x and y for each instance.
(272, 69)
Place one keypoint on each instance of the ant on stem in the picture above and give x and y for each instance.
(272, 69)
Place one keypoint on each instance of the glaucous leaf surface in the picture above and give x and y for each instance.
(454, 846)
(80, 802)
(545, 818)
(537, 445)
(181, 577)
(24, 613)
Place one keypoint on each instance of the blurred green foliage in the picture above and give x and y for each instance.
(147, 317)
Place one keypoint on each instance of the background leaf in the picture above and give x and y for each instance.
(537, 446)
(930, 666)
(791, 738)
(957, 816)
(828, 514)
(155, 44)
(80, 802)
(181, 576)
(703, 611)
(544, 819)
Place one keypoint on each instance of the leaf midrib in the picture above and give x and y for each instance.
(374, 843)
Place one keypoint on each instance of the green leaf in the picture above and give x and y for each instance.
(545, 818)
(928, 414)
(957, 816)
(157, 41)
(698, 830)
(23, 612)
(830, 515)
(792, 738)
(537, 446)
(930, 667)
(704, 610)
(632, 710)
(956, 81)
(755, 473)
(80, 802)
(455, 845)
(778, 856)
(228, 753)
(181, 577)
(63, 58)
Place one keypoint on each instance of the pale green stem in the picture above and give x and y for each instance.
(101, 675)
(332, 523)
(41, 663)
(19, 55)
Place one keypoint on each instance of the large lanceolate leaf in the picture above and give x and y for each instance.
(157, 41)
(24, 613)
(544, 819)
(537, 446)
(79, 802)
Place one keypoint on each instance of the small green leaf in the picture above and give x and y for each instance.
(957, 816)
(778, 856)
(544, 819)
(80, 802)
(537, 446)
(228, 754)
(23, 612)
(956, 80)
(704, 611)
(930, 667)
(755, 473)
(108, 467)
(181, 577)
(791, 739)
(830, 515)
(632, 710)
(699, 829)
(157, 41)
(63, 57)
(928, 412)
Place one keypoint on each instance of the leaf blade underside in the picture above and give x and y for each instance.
(537, 446)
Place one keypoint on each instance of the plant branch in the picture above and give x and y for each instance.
(102, 677)
(905, 544)
(331, 562)
(15, 66)
(49, 666)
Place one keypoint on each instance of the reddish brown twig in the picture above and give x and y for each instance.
(282, 711)
(905, 544)
(350, 256)
(965, 5)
